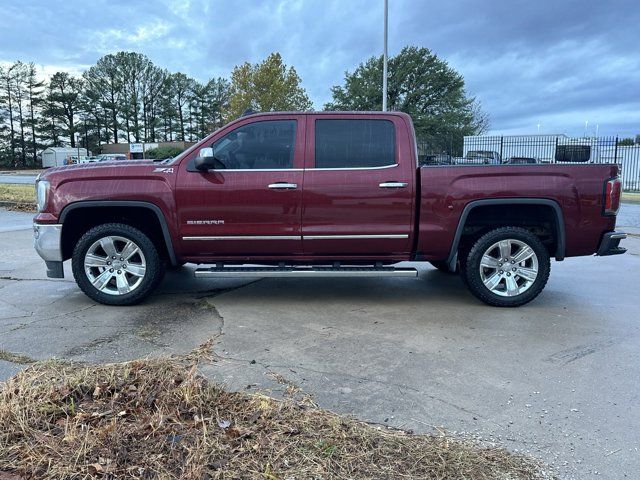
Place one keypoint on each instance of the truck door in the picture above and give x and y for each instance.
(251, 204)
(359, 186)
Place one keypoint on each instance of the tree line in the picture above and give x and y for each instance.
(126, 98)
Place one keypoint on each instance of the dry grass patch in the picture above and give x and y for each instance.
(161, 419)
(17, 193)
(22, 197)
(18, 358)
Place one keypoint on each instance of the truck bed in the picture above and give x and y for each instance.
(445, 193)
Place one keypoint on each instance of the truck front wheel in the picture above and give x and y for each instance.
(507, 267)
(116, 264)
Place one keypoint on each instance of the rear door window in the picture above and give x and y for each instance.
(354, 143)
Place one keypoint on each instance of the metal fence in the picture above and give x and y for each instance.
(535, 149)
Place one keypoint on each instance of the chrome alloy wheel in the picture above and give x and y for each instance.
(115, 265)
(509, 267)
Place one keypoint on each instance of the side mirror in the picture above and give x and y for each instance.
(205, 159)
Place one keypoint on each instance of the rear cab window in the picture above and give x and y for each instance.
(354, 143)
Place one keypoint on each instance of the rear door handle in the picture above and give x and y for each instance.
(393, 185)
(283, 186)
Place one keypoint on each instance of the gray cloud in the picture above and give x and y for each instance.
(557, 63)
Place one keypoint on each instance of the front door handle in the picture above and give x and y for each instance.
(283, 186)
(393, 185)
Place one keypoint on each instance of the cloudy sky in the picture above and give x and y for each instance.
(546, 65)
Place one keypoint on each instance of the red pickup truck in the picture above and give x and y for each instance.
(321, 194)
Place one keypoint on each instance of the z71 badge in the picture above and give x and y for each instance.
(163, 170)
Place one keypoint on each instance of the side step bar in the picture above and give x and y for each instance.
(298, 272)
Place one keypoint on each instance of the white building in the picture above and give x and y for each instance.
(58, 156)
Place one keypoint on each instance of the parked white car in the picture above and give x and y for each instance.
(106, 157)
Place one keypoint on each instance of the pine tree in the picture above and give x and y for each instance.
(35, 95)
(64, 97)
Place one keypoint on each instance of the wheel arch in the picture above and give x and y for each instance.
(164, 232)
(498, 202)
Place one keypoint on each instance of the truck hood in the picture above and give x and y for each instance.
(95, 166)
(110, 169)
(137, 180)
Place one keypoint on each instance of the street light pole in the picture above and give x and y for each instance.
(384, 56)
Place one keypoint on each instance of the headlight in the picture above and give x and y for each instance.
(42, 194)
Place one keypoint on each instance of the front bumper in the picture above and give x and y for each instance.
(47, 240)
(610, 244)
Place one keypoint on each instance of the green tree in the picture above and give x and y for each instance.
(35, 94)
(64, 97)
(153, 82)
(49, 125)
(166, 112)
(208, 103)
(104, 84)
(5, 158)
(180, 87)
(626, 142)
(128, 86)
(420, 84)
(19, 79)
(17, 93)
(219, 94)
(141, 83)
(8, 98)
(162, 153)
(266, 86)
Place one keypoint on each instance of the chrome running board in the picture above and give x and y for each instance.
(304, 271)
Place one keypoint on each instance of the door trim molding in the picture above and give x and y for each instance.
(328, 169)
(297, 237)
(353, 237)
(246, 237)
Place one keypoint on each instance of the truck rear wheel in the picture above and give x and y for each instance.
(116, 264)
(507, 267)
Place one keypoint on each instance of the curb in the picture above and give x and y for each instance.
(19, 173)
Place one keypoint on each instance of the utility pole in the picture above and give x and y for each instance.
(384, 56)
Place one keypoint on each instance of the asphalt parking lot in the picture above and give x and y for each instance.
(19, 179)
(557, 378)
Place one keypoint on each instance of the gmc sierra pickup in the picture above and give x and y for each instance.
(316, 195)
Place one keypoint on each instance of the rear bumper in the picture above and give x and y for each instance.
(610, 244)
(47, 242)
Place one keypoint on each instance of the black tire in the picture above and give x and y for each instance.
(154, 271)
(471, 267)
(443, 267)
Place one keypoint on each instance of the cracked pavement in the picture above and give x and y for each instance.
(557, 378)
